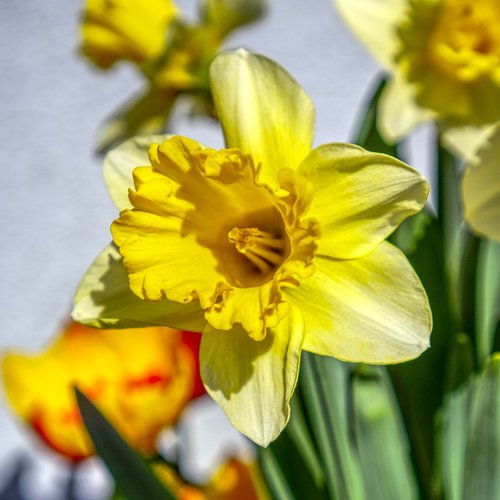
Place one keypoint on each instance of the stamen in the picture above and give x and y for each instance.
(261, 248)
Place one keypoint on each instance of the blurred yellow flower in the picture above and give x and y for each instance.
(444, 56)
(235, 480)
(268, 247)
(181, 62)
(481, 189)
(141, 379)
(133, 30)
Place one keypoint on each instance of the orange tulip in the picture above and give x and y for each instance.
(141, 379)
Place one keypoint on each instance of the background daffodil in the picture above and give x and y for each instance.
(267, 247)
(444, 57)
(172, 52)
(141, 386)
(481, 189)
(114, 30)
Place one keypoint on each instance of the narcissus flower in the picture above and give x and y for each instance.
(481, 189)
(141, 379)
(267, 247)
(114, 30)
(444, 56)
(174, 66)
(235, 480)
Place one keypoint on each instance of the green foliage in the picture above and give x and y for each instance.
(133, 477)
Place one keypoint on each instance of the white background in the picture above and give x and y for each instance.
(55, 213)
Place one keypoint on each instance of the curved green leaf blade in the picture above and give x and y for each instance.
(290, 464)
(382, 444)
(325, 383)
(367, 134)
(488, 298)
(481, 479)
(133, 476)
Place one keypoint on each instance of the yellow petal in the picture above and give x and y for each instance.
(466, 141)
(263, 111)
(104, 299)
(253, 381)
(121, 161)
(371, 310)
(399, 114)
(124, 29)
(360, 197)
(481, 189)
(374, 22)
(167, 263)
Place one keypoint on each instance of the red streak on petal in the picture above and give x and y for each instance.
(148, 380)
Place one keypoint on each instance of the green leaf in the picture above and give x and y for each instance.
(469, 284)
(452, 434)
(325, 384)
(381, 440)
(461, 363)
(450, 219)
(452, 425)
(367, 134)
(228, 15)
(290, 464)
(471, 437)
(420, 383)
(133, 477)
(488, 298)
(481, 478)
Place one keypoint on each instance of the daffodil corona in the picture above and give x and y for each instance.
(226, 240)
(268, 247)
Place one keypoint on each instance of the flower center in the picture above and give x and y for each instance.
(264, 250)
(465, 42)
(460, 38)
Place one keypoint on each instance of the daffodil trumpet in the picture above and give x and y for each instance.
(267, 247)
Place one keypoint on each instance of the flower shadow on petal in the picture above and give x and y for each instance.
(228, 359)
(112, 302)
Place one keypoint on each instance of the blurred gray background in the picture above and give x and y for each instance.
(55, 211)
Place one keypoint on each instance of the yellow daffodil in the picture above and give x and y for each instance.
(481, 189)
(444, 56)
(141, 379)
(133, 30)
(182, 69)
(235, 480)
(267, 247)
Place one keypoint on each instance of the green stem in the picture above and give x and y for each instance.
(469, 286)
(449, 217)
